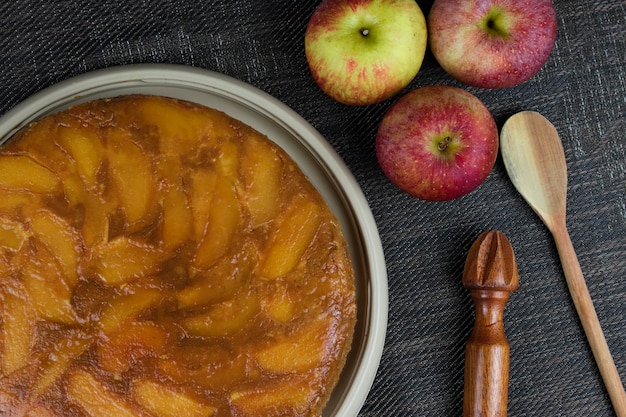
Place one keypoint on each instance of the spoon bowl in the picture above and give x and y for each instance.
(534, 159)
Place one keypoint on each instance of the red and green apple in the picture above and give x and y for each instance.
(492, 43)
(437, 143)
(362, 52)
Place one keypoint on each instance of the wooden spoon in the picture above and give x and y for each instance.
(534, 159)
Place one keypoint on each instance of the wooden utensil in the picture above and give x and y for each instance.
(534, 159)
(490, 274)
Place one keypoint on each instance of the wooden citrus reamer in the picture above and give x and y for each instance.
(490, 274)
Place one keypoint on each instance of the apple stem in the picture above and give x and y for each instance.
(365, 32)
(443, 144)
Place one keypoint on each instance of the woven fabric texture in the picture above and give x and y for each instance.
(581, 89)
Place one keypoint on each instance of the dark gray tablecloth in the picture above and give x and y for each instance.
(581, 89)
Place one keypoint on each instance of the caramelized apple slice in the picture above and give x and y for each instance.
(262, 174)
(85, 391)
(226, 318)
(178, 127)
(301, 352)
(90, 206)
(73, 189)
(122, 349)
(125, 308)
(61, 238)
(12, 234)
(55, 365)
(216, 372)
(20, 171)
(203, 182)
(294, 233)
(278, 304)
(224, 219)
(221, 281)
(49, 293)
(223, 374)
(95, 227)
(227, 162)
(13, 200)
(288, 395)
(85, 148)
(37, 144)
(163, 401)
(18, 320)
(177, 223)
(132, 176)
(124, 260)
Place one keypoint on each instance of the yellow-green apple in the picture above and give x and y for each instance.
(364, 51)
(437, 143)
(492, 43)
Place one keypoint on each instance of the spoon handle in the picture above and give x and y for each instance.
(587, 313)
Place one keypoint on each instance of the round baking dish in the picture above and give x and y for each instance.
(317, 159)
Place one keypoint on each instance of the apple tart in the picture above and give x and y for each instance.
(160, 258)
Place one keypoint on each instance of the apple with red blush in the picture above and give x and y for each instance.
(362, 52)
(437, 143)
(492, 43)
